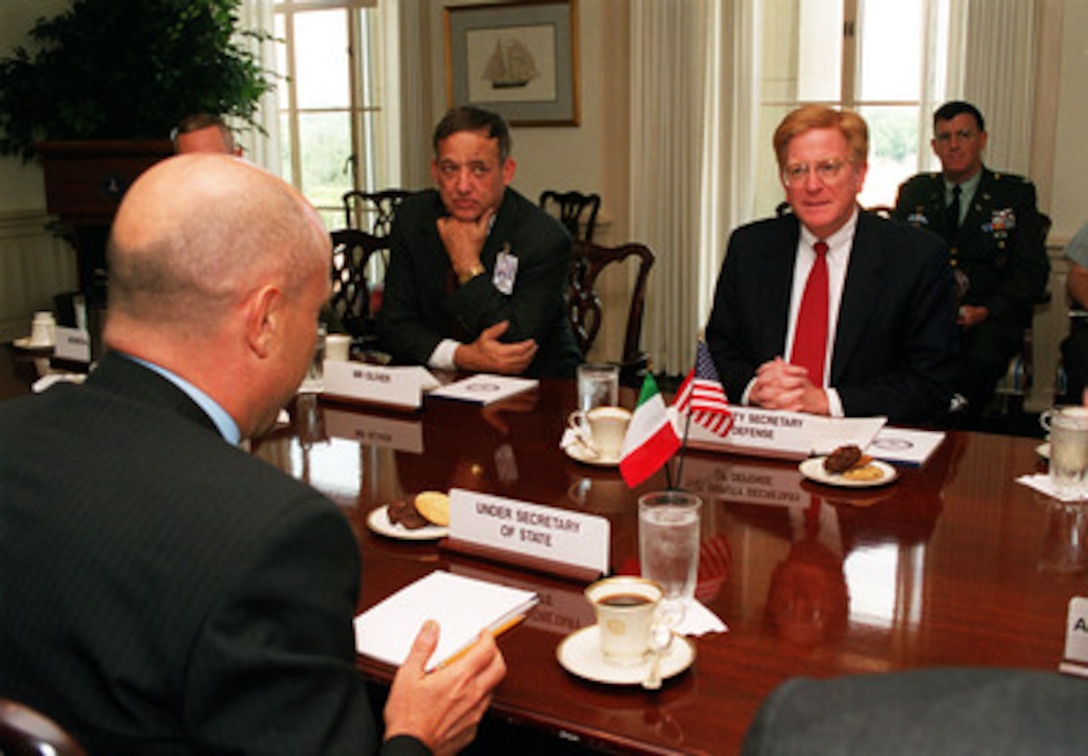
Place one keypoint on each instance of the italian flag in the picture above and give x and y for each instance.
(651, 438)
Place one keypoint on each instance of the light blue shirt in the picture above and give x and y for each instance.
(223, 421)
(967, 193)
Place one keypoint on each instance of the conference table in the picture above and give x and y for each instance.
(953, 563)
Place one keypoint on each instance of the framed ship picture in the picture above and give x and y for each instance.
(519, 60)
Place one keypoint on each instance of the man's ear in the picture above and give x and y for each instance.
(263, 313)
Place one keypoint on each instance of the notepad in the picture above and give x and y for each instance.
(485, 388)
(462, 606)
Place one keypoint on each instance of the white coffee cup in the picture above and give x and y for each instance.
(601, 429)
(338, 347)
(43, 329)
(626, 609)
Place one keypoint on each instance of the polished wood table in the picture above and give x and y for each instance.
(952, 564)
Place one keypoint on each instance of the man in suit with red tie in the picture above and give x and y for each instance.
(997, 243)
(829, 309)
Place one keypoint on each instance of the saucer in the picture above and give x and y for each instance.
(378, 521)
(580, 654)
(813, 469)
(25, 343)
(580, 453)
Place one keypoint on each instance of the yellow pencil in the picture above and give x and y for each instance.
(495, 633)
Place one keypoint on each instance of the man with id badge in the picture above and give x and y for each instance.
(477, 272)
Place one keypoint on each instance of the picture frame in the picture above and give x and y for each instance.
(519, 60)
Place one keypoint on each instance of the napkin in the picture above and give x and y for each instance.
(698, 620)
(1042, 483)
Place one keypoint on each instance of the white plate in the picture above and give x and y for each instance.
(813, 469)
(378, 521)
(578, 451)
(1043, 450)
(24, 343)
(580, 654)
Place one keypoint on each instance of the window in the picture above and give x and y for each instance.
(886, 60)
(339, 126)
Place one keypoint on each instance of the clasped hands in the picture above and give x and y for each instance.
(778, 385)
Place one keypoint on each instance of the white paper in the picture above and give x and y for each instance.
(903, 446)
(485, 388)
(462, 606)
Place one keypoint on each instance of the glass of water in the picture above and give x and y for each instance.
(598, 385)
(668, 546)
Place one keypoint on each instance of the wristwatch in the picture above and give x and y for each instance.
(470, 274)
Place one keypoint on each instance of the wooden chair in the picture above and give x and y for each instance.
(355, 299)
(584, 307)
(26, 732)
(570, 207)
(1015, 385)
(382, 205)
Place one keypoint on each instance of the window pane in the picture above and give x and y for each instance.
(890, 38)
(324, 147)
(893, 156)
(321, 59)
(802, 50)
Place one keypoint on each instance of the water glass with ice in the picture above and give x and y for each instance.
(668, 545)
(598, 385)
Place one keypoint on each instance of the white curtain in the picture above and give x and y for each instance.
(999, 70)
(262, 149)
(684, 148)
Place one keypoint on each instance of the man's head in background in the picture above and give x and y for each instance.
(204, 132)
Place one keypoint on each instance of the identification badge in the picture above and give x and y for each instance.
(506, 271)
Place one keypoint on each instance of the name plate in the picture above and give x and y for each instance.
(73, 344)
(785, 435)
(1076, 638)
(569, 543)
(373, 430)
(749, 484)
(375, 384)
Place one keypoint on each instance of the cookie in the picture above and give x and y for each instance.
(435, 506)
(405, 514)
(864, 472)
(842, 459)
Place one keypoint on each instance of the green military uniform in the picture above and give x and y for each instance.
(1000, 250)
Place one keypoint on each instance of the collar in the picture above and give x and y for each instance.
(967, 188)
(223, 421)
(841, 239)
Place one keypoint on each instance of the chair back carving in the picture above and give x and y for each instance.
(585, 309)
(352, 286)
(358, 205)
(571, 207)
(26, 732)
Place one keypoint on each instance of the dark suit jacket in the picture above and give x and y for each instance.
(420, 307)
(896, 343)
(1000, 245)
(952, 711)
(165, 592)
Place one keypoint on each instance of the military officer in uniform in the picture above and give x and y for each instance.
(996, 239)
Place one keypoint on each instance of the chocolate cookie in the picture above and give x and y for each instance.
(842, 459)
(404, 513)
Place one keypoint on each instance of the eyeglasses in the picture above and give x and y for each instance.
(963, 135)
(826, 170)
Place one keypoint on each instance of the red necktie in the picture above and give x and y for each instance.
(810, 336)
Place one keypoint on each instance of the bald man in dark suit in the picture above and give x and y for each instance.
(163, 591)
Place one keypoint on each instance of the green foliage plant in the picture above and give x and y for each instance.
(128, 69)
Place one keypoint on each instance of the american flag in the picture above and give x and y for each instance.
(702, 394)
